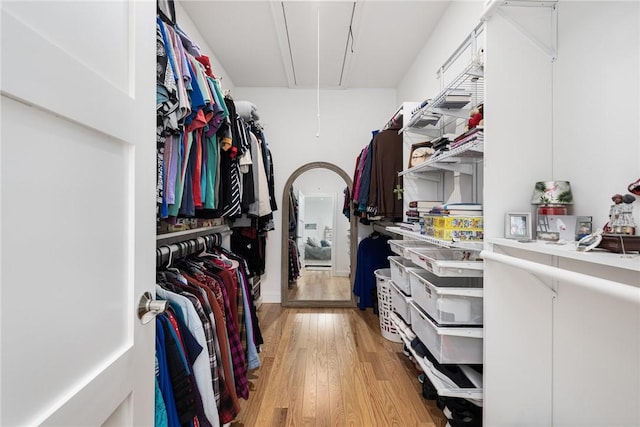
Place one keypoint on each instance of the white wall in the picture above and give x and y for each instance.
(596, 103)
(187, 25)
(561, 120)
(289, 117)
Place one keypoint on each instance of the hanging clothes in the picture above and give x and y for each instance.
(206, 167)
(215, 336)
(386, 163)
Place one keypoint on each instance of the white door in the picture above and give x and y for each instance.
(77, 212)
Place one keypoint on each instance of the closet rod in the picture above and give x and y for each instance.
(381, 227)
(166, 253)
(608, 287)
(178, 236)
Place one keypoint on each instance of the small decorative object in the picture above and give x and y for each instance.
(589, 241)
(517, 225)
(583, 226)
(398, 190)
(476, 117)
(621, 219)
(556, 227)
(620, 243)
(552, 197)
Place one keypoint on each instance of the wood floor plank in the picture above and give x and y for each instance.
(332, 367)
(336, 403)
(311, 373)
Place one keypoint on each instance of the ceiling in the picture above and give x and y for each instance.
(362, 44)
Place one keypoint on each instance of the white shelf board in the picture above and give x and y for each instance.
(568, 250)
(473, 246)
(474, 395)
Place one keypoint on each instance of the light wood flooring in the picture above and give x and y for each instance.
(332, 367)
(320, 285)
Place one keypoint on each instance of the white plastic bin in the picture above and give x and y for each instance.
(385, 308)
(400, 268)
(400, 303)
(448, 300)
(448, 262)
(447, 344)
(401, 247)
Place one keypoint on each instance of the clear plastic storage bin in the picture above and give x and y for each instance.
(447, 344)
(400, 268)
(401, 247)
(400, 303)
(448, 262)
(448, 300)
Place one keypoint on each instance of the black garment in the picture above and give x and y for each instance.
(272, 197)
(247, 243)
(187, 207)
(372, 255)
(192, 351)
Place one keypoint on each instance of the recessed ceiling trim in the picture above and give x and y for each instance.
(277, 13)
(346, 45)
(286, 28)
(356, 18)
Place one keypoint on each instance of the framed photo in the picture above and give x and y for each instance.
(517, 225)
(583, 227)
(556, 227)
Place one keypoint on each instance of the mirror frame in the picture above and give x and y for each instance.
(284, 256)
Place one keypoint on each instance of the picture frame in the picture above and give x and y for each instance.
(583, 226)
(517, 225)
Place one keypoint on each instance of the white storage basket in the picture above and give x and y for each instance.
(401, 247)
(385, 308)
(448, 300)
(448, 262)
(400, 303)
(447, 344)
(400, 268)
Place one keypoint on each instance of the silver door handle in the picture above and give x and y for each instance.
(148, 308)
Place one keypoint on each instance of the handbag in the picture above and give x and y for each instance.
(420, 153)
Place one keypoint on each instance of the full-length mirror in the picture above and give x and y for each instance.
(318, 250)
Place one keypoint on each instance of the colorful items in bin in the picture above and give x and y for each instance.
(455, 235)
(459, 222)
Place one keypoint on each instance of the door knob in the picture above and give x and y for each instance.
(148, 308)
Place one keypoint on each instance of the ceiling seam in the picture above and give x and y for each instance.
(346, 46)
(286, 27)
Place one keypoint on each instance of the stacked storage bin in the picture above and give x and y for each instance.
(445, 312)
(401, 266)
